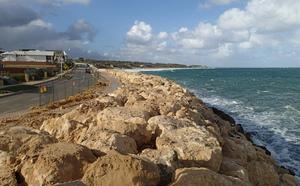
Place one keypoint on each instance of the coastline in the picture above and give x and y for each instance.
(163, 69)
(149, 131)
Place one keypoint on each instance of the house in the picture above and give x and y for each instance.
(18, 61)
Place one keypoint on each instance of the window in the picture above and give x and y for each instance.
(49, 59)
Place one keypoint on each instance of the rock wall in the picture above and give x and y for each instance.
(150, 131)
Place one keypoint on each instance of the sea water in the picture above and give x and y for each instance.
(265, 101)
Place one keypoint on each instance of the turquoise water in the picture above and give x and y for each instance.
(265, 101)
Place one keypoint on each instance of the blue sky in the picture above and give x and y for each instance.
(222, 33)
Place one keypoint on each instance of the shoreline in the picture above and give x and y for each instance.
(163, 69)
(231, 119)
(251, 128)
(148, 131)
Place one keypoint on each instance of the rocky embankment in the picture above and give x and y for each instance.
(150, 131)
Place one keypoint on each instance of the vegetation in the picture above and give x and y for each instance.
(132, 64)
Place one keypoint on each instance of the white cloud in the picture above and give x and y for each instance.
(192, 43)
(183, 29)
(209, 3)
(140, 33)
(221, 2)
(77, 1)
(236, 19)
(263, 15)
(163, 35)
(205, 35)
(62, 2)
(263, 29)
(224, 50)
(40, 23)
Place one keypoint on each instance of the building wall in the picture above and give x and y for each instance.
(9, 58)
(31, 58)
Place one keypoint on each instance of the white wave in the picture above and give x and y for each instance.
(261, 123)
(158, 69)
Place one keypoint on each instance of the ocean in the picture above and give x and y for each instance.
(265, 101)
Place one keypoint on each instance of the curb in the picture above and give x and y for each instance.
(11, 94)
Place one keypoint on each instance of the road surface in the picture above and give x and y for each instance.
(56, 90)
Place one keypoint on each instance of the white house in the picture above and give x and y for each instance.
(34, 56)
(20, 60)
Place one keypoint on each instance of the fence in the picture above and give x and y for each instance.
(38, 95)
(67, 86)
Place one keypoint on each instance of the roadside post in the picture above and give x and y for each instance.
(65, 86)
(42, 90)
(52, 91)
(73, 85)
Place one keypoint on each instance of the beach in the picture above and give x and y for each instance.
(147, 131)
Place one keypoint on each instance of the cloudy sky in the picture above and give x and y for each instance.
(222, 33)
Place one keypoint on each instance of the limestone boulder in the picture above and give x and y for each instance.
(262, 173)
(23, 141)
(118, 169)
(161, 124)
(63, 128)
(239, 149)
(288, 180)
(165, 159)
(111, 100)
(71, 183)
(191, 114)
(82, 114)
(57, 163)
(133, 98)
(230, 168)
(151, 108)
(170, 108)
(203, 177)
(195, 147)
(7, 175)
(127, 121)
(104, 140)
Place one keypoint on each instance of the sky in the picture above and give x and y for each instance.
(217, 33)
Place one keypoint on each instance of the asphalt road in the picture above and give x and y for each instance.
(75, 82)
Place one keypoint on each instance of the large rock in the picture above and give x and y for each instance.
(126, 170)
(195, 147)
(89, 135)
(126, 121)
(288, 180)
(22, 141)
(166, 159)
(239, 149)
(7, 175)
(57, 163)
(230, 168)
(162, 124)
(261, 173)
(191, 114)
(63, 128)
(203, 177)
(103, 140)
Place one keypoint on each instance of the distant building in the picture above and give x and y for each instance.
(20, 60)
(34, 56)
